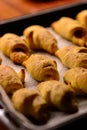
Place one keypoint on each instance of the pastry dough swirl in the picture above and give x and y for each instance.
(59, 95)
(73, 56)
(82, 18)
(71, 30)
(41, 67)
(39, 38)
(14, 47)
(77, 79)
(30, 103)
(9, 79)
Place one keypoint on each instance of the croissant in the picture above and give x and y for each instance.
(77, 79)
(82, 18)
(17, 50)
(73, 56)
(41, 67)
(9, 79)
(59, 95)
(30, 103)
(38, 37)
(71, 30)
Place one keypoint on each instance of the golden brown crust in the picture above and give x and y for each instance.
(0, 59)
(59, 95)
(77, 79)
(73, 56)
(71, 30)
(38, 37)
(82, 18)
(21, 75)
(41, 67)
(30, 103)
(18, 57)
(13, 43)
(9, 79)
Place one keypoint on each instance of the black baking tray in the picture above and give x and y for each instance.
(44, 18)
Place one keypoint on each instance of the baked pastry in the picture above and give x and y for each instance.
(30, 103)
(0, 60)
(41, 67)
(59, 95)
(73, 56)
(71, 30)
(82, 18)
(38, 37)
(21, 75)
(77, 79)
(17, 50)
(9, 79)
(18, 57)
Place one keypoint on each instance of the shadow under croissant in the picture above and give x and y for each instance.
(65, 110)
(43, 118)
(41, 121)
(52, 109)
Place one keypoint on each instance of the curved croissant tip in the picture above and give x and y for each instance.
(21, 74)
(56, 53)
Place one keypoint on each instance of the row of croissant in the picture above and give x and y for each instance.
(50, 91)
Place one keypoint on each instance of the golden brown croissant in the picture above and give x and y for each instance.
(77, 79)
(41, 67)
(71, 30)
(73, 56)
(82, 18)
(30, 103)
(9, 79)
(59, 95)
(14, 47)
(38, 37)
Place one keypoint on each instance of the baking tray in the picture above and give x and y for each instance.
(58, 120)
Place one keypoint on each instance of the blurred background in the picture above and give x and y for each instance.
(15, 8)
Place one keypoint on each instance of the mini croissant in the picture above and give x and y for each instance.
(30, 103)
(77, 79)
(41, 67)
(71, 30)
(10, 80)
(14, 47)
(73, 56)
(82, 18)
(59, 95)
(38, 37)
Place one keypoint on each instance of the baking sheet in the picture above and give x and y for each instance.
(57, 119)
